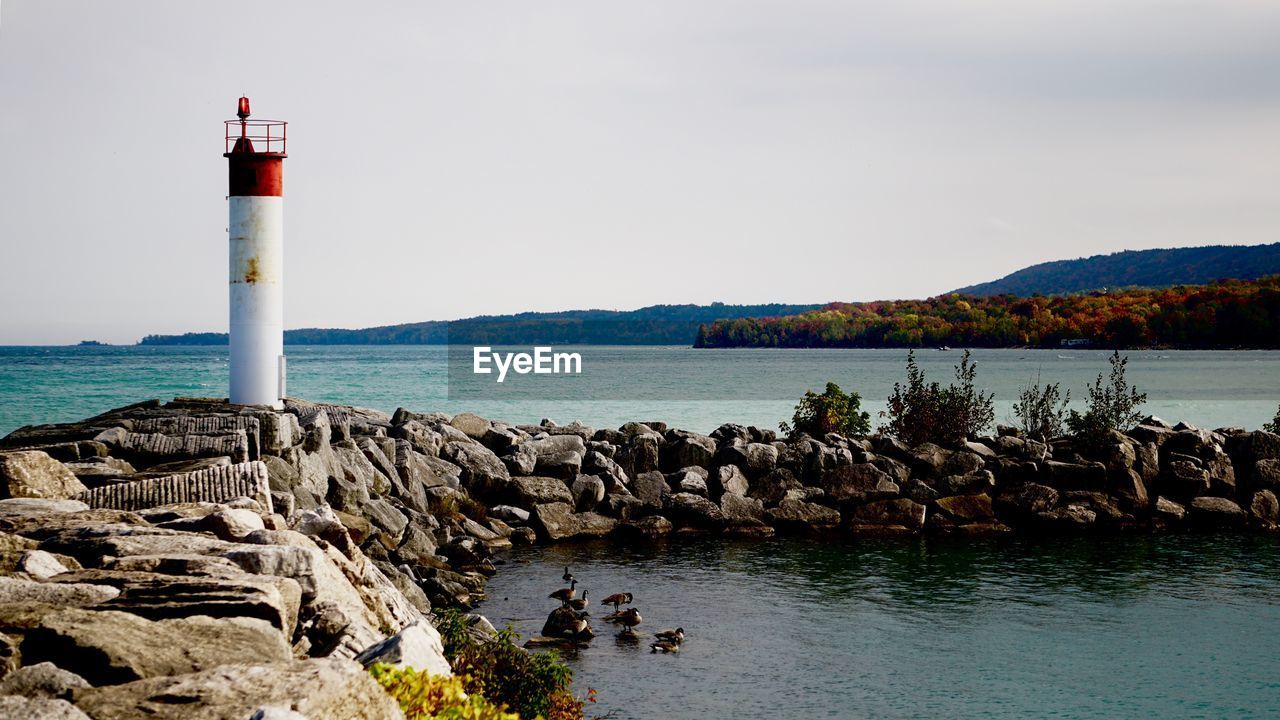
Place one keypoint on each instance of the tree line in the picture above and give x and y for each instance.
(1223, 314)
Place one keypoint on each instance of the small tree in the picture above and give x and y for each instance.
(833, 411)
(1113, 406)
(1274, 425)
(924, 411)
(1041, 410)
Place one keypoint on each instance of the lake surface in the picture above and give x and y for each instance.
(1177, 626)
(693, 389)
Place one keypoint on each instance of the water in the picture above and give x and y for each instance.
(1172, 626)
(694, 389)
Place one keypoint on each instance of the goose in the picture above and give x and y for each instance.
(580, 628)
(617, 600)
(630, 618)
(567, 576)
(671, 636)
(665, 647)
(564, 595)
(580, 604)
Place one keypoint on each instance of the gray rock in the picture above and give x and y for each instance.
(564, 465)
(1027, 500)
(1073, 517)
(588, 492)
(510, 513)
(21, 708)
(896, 513)
(729, 480)
(650, 526)
(695, 510)
(978, 481)
(417, 646)
(33, 474)
(690, 482)
(741, 511)
(41, 680)
(39, 506)
(863, 482)
(535, 490)
(1169, 510)
(801, 515)
(108, 648)
(1264, 508)
(483, 474)
(1216, 512)
(773, 487)
(473, 426)
(691, 450)
(15, 590)
(754, 459)
(651, 488)
(1076, 476)
(315, 689)
(521, 460)
(558, 522)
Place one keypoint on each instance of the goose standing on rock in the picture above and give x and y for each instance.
(564, 595)
(580, 604)
(630, 618)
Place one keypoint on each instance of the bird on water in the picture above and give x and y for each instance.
(580, 604)
(564, 595)
(617, 600)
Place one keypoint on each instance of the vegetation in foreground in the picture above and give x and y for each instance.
(423, 696)
(1228, 314)
(530, 684)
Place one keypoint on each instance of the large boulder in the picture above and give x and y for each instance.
(417, 646)
(694, 510)
(892, 514)
(754, 459)
(859, 483)
(1264, 509)
(483, 474)
(801, 515)
(314, 689)
(588, 492)
(534, 490)
(108, 647)
(33, 474)
(558, 521)
(967, 508)
(651, 488)
(1216, 512)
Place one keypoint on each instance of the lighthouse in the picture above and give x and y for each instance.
(255, 152)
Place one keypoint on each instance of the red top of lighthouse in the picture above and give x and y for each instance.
(254, 136)
(256, 150)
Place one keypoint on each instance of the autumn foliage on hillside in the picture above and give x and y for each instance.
(1226, 314)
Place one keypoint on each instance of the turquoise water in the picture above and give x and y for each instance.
(695, 389)
(1183, 626)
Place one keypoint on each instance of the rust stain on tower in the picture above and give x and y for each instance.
(251, 271)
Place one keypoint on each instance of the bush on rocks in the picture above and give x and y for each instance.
(927, 412)
(1113, 406)
(834, 411)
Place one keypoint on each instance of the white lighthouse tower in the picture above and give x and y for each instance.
(255, 150)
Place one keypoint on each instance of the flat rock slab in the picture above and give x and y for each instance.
(16, 590)
(315, 689)
(108, 647)
(214, 485)
(21, 708)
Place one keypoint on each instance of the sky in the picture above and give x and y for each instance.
(455, 159)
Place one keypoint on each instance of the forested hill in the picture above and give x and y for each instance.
(1137, 268)
(654, 325)
(1229, 314)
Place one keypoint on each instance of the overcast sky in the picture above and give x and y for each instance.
(454, 159)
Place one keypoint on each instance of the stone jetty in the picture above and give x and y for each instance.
(196, 559)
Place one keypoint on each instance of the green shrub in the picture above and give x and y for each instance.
(1112, 406)
(426, 697)
(831, 412)
(924, 411)
(1274, 425)
(1041, 410)
(532, 684)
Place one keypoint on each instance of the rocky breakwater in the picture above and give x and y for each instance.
(197, 559)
